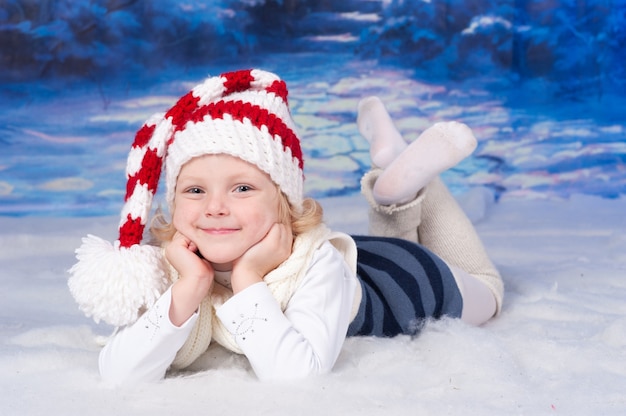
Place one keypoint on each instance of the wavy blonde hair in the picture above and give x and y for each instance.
(302, 220)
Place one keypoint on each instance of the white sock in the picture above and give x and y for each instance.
(437, 149)
(479, 303)
(376, 126)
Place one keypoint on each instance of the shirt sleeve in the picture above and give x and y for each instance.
(307, 338)
(143, 351)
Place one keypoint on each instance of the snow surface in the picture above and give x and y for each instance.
(559, 346)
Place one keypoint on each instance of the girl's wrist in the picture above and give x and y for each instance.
(241, 280)
(187, 294)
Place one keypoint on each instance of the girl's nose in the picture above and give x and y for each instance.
(216, 206)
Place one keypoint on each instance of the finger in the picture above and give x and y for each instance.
(179, 238)
(185, 242)
(281, 239)
(285, 235)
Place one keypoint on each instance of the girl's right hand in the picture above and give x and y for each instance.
(182, 253)
(195, 278)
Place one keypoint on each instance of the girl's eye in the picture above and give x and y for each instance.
(193, 190)
(243, 188)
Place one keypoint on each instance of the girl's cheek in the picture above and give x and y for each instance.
(177, 222)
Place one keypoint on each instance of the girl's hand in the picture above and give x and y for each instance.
(196, 278)
(262, 258)
(182, 253)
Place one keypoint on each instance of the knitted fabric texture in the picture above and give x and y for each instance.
(447, 232)
(244, 114)
(399, 221)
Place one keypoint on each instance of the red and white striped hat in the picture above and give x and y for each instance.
(243, 114)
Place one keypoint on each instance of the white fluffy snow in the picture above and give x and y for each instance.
(559, 346)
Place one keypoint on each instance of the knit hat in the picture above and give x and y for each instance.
(243, 114)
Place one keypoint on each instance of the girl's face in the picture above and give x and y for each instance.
(225, 206)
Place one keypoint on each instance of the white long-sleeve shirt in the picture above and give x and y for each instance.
(303, 340)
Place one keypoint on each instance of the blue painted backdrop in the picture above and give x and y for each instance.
(541, 82)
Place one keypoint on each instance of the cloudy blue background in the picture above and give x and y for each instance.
(541, 83)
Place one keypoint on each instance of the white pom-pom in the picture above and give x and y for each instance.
(114, 284)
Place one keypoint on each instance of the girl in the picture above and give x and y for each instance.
(246, 261)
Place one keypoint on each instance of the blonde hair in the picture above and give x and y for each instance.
(302, 220)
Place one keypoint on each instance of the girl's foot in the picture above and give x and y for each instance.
(437, 149)
(376, 126)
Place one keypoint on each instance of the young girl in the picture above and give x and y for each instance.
(246, 261)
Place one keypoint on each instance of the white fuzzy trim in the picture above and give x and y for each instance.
(114, 284)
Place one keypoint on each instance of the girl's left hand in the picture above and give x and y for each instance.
(262, 258)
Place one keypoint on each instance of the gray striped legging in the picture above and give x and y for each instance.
(403, 284)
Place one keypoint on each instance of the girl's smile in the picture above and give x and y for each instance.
(219, 231)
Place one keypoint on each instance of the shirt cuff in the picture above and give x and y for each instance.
(157, 318)
(250, 312)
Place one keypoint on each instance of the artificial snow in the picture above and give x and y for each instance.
(559, 346)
